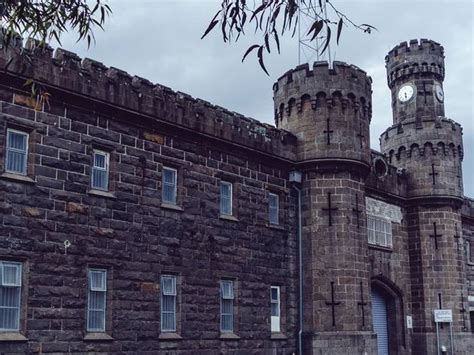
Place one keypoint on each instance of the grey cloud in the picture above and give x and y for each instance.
(159, 40)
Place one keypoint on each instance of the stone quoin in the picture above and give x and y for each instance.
(139, 220)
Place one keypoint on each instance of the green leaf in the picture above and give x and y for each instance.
(328, 38)
(339, 29)
(209, 28)
(260, 60)
(28, 82)
(250, 49)
(316, 27)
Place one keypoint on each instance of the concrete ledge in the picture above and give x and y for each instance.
(97, 337)
(12, 336)
(229, 336)
(278, 336)
(170, 336)
(228, 217)
(100, 193)
(18, 178)
(172, 207)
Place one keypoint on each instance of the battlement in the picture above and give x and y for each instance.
(414, 45)
(344, 85)
(65, 71)
(423, 58)
(416, 140)
(321, 69)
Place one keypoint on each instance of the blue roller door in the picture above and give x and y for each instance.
(379, 317)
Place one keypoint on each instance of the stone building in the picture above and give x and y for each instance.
(139, 220)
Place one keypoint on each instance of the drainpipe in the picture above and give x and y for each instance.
(296, 177)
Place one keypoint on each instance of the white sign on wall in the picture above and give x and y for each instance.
(409, 322)
(443, 315)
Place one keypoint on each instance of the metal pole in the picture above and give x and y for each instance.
(299, 32)
(437, 337)
(300, 252)
(452, 341)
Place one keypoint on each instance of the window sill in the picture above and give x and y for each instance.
(229, 336)
(97, 336)
(170, 206)
(12, 336)
(275, 226)
(17, 177)
(100, 193)
(381, 248)
(278, 336)
(228, 217)
(170, 336)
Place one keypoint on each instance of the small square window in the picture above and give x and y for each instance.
(379, 231)
(10, 295)
(225, 198)
(273, 208)
(169, 185)
(17, 152)
(100, 170)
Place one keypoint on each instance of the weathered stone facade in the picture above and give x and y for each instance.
(57, 227)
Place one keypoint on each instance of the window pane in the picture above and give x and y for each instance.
(99, 179)
(9, 308)
(227, 289)
(100, 160)
(96, 320)
(97, 302)
(17, 140)
(227, 323)
(11, 274)
(98, 280)
(168, 313)
(275, 310)
(168, 285)
(226, 198)
(16, 162)
(169, 176)
(274, 293)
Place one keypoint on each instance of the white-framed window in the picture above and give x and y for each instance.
(379, 231)
(467, 251)
(273, 208)
(10, 295)
(275, 308)
(100, 170)
(16, 158)
(169, 185)
(226, 198)
(168, 303)
(97, 300)
(227, 306)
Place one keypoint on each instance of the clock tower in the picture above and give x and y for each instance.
(427, 148)
(415, 75)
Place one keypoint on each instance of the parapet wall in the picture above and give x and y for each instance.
(327, 109)
(425, 148)
(64, 70)
(419, 58)
(345, 85)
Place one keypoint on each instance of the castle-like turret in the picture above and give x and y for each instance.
(421, 140)
(329, 111)
(427, 147)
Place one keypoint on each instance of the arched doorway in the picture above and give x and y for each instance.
(380, 321)
(387, 316)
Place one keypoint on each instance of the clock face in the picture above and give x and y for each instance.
(439, 92)
(406, 92)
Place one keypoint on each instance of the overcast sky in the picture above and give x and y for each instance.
(160, 40)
